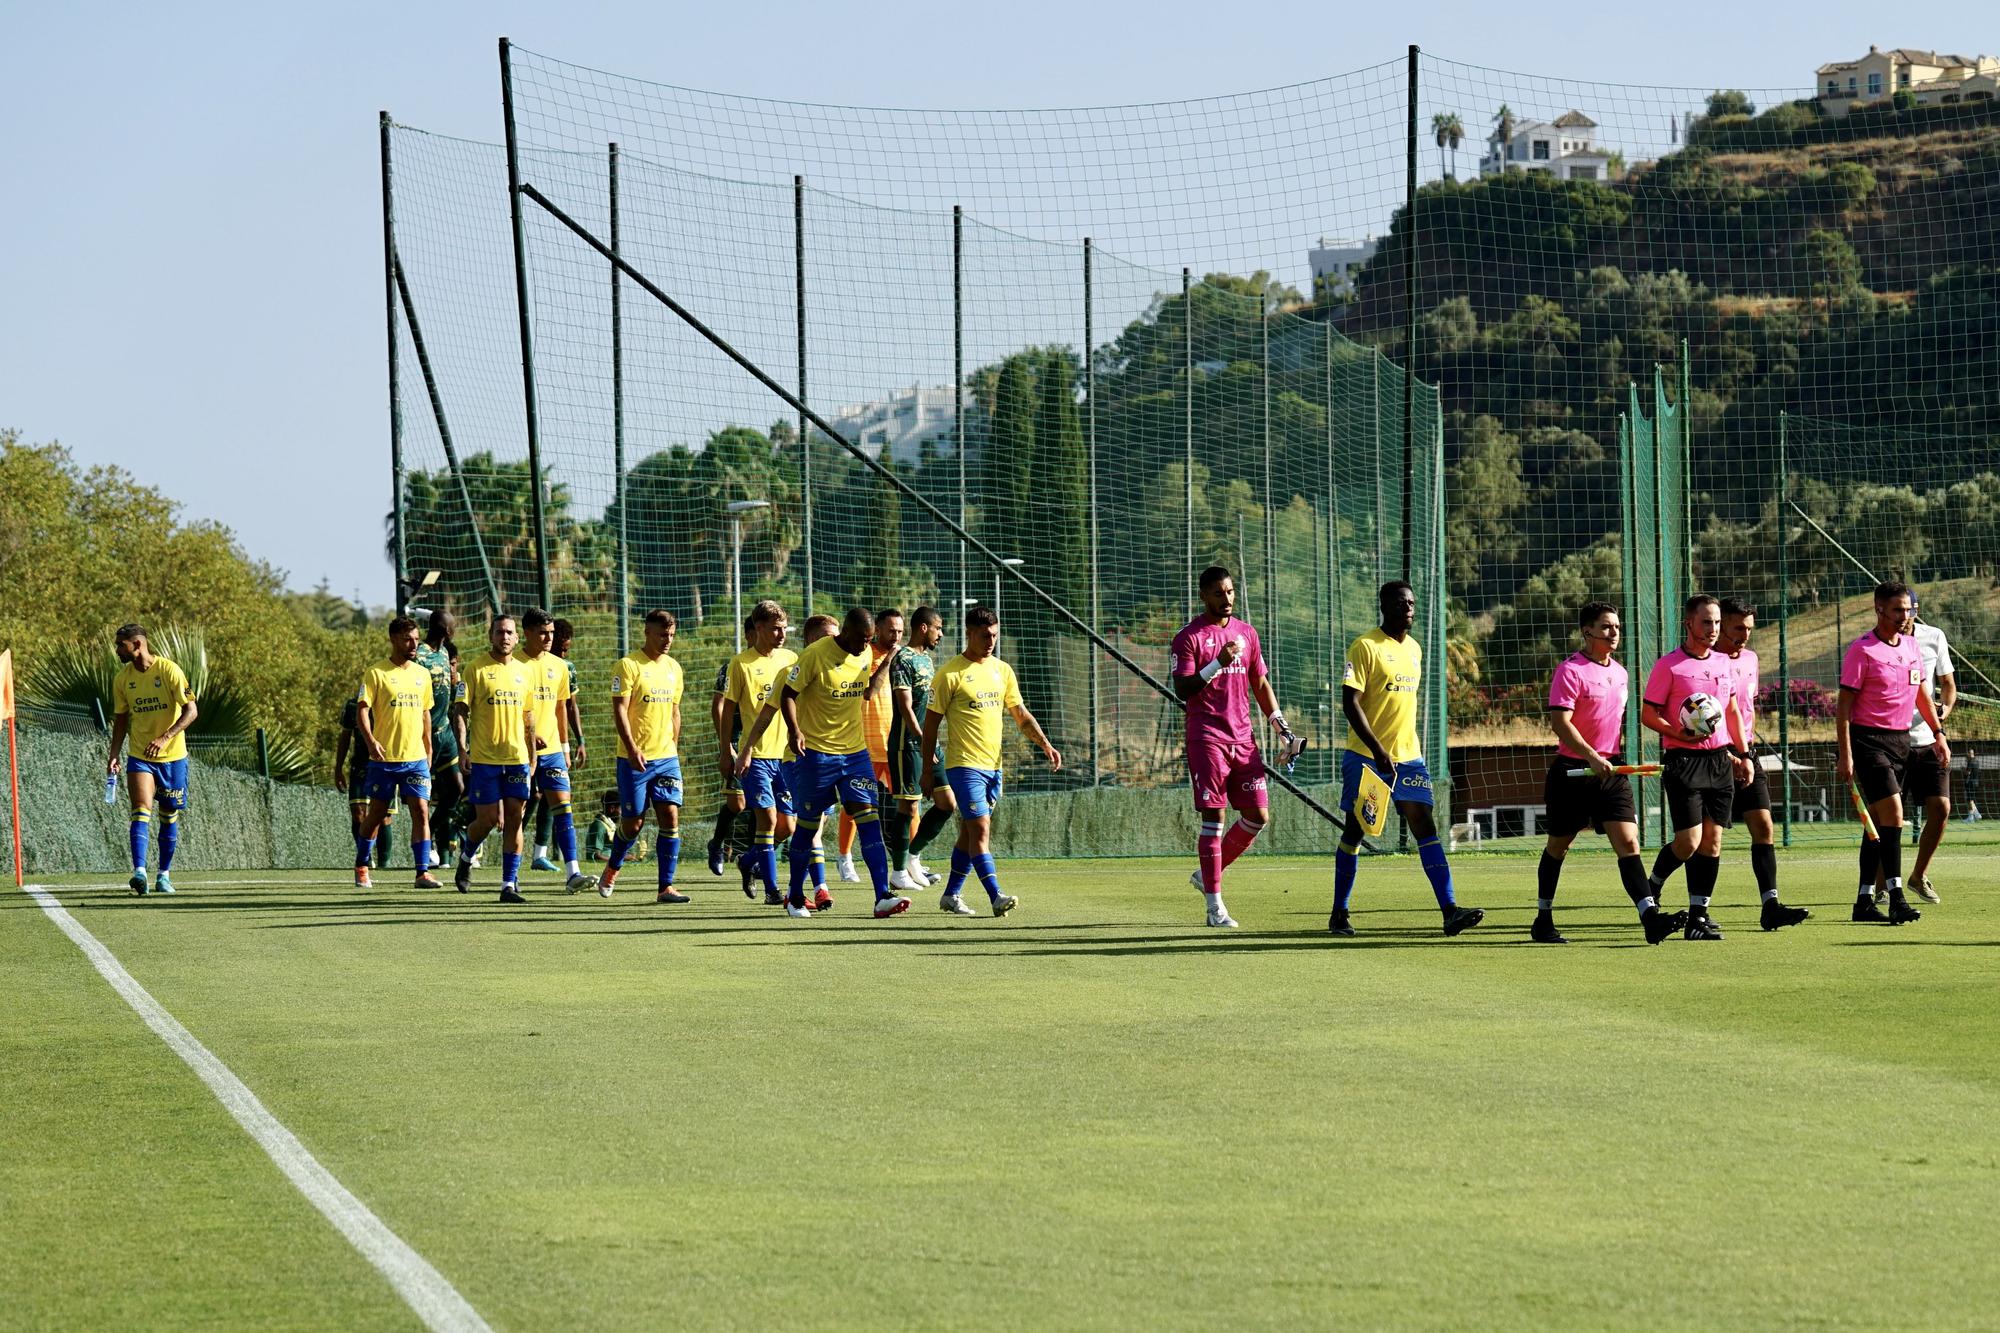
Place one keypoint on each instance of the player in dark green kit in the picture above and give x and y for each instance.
(910, 674)
(437, 655)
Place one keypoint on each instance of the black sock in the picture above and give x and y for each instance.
(1703, 871)
(1632, 872)
(1664, 866)
(1892, 860)
(723, 819)
(1871, 862)
(1764, 864)
(545, 816)
(1546, 875)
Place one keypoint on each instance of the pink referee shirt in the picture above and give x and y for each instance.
(1885, 678)
(1220, 710)
(1747, 681)
(1676, 676)
(1595, 694)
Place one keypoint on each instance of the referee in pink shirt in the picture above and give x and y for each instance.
(1881, 680)
(1587, 697)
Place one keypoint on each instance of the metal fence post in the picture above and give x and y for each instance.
(1187, 419)
(620, 498)
(398, 555)
(1090, 447)
(805, 440)
(263, 754)
(527, 334)
(1785, 627)
(1410, 313)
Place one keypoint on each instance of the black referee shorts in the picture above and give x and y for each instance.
(1590, 801)
(1699, 788)
(1755, 795)
(1880, 754)
(1924, 778)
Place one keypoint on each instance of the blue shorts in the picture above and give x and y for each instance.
(822, 781)
(977, 790)
(170, 780)
(489, 784)
(658, 783)
(1412, 784)
(410, 779)
(767, 786)
(552, 772)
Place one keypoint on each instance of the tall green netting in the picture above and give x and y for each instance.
(1787, 256)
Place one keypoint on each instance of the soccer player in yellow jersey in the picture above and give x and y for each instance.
(646, 712)
(878, 709)
(549, 689)
(754, 674)
(968, 695)
(1378, 693)
(153, 706)
(392, 719)
(821, 705)
(494, 702)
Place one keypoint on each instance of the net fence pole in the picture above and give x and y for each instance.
(618, 424)
(444, 433)
(799, 328)
(527, 333)
(1410, 313)
(959, 415)
(1337, 600)
(1687, 469)
(1090, 455)
(1270, 516)
(1375, 399)
(398, 554)
(1784, 523)
(1187, 421)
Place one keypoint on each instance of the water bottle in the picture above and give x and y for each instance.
(111, 789)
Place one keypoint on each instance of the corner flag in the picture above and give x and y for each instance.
(13, 755)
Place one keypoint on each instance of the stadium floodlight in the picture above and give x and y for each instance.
(406, 590)
(736, 509)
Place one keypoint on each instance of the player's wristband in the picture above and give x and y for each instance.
(1278, 723)
(1211, 671)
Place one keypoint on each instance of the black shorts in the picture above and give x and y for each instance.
(1574, 803)
(1924, 778)
(1700, 788)
(1880, 754)
(1756, 795)
(906, 765)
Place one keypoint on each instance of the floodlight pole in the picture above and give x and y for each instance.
(527, 335)
(398, 554)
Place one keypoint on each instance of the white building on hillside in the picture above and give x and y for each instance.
(1336, 264)
(899, 426)
(1930, 78)
(1565, 147)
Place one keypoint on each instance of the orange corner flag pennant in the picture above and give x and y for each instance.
(6, 684)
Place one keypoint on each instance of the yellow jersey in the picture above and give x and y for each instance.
(830, 682)
(752, 677)
(971, 697)
(399, 709)
(497, 707)
(1387, 674)
(153, 700)
(879, 708)
(652, 689)
(548, 689)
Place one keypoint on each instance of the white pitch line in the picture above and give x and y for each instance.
(434, 1300)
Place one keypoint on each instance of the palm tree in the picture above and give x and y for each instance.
(1504, 120)
(1449, 131)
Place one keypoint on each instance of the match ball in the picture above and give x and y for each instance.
(1701, 715)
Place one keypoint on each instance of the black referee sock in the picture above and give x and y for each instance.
(724, 818)
(1892, 859)
(1703, 871)
(1632, 873)
(1764, 863)
(1871, 862)
(1546, 874)
(1664, 866)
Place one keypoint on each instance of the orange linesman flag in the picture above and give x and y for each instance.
(6, 684)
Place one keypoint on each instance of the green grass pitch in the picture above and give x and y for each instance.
(1092, 1113)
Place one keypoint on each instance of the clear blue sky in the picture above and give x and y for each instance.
(190, 245)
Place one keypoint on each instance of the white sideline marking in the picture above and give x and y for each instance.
(435, 1301)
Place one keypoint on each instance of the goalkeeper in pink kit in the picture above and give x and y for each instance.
(1217, 665)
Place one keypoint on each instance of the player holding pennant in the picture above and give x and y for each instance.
(1217, 666)
(1691, 704)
